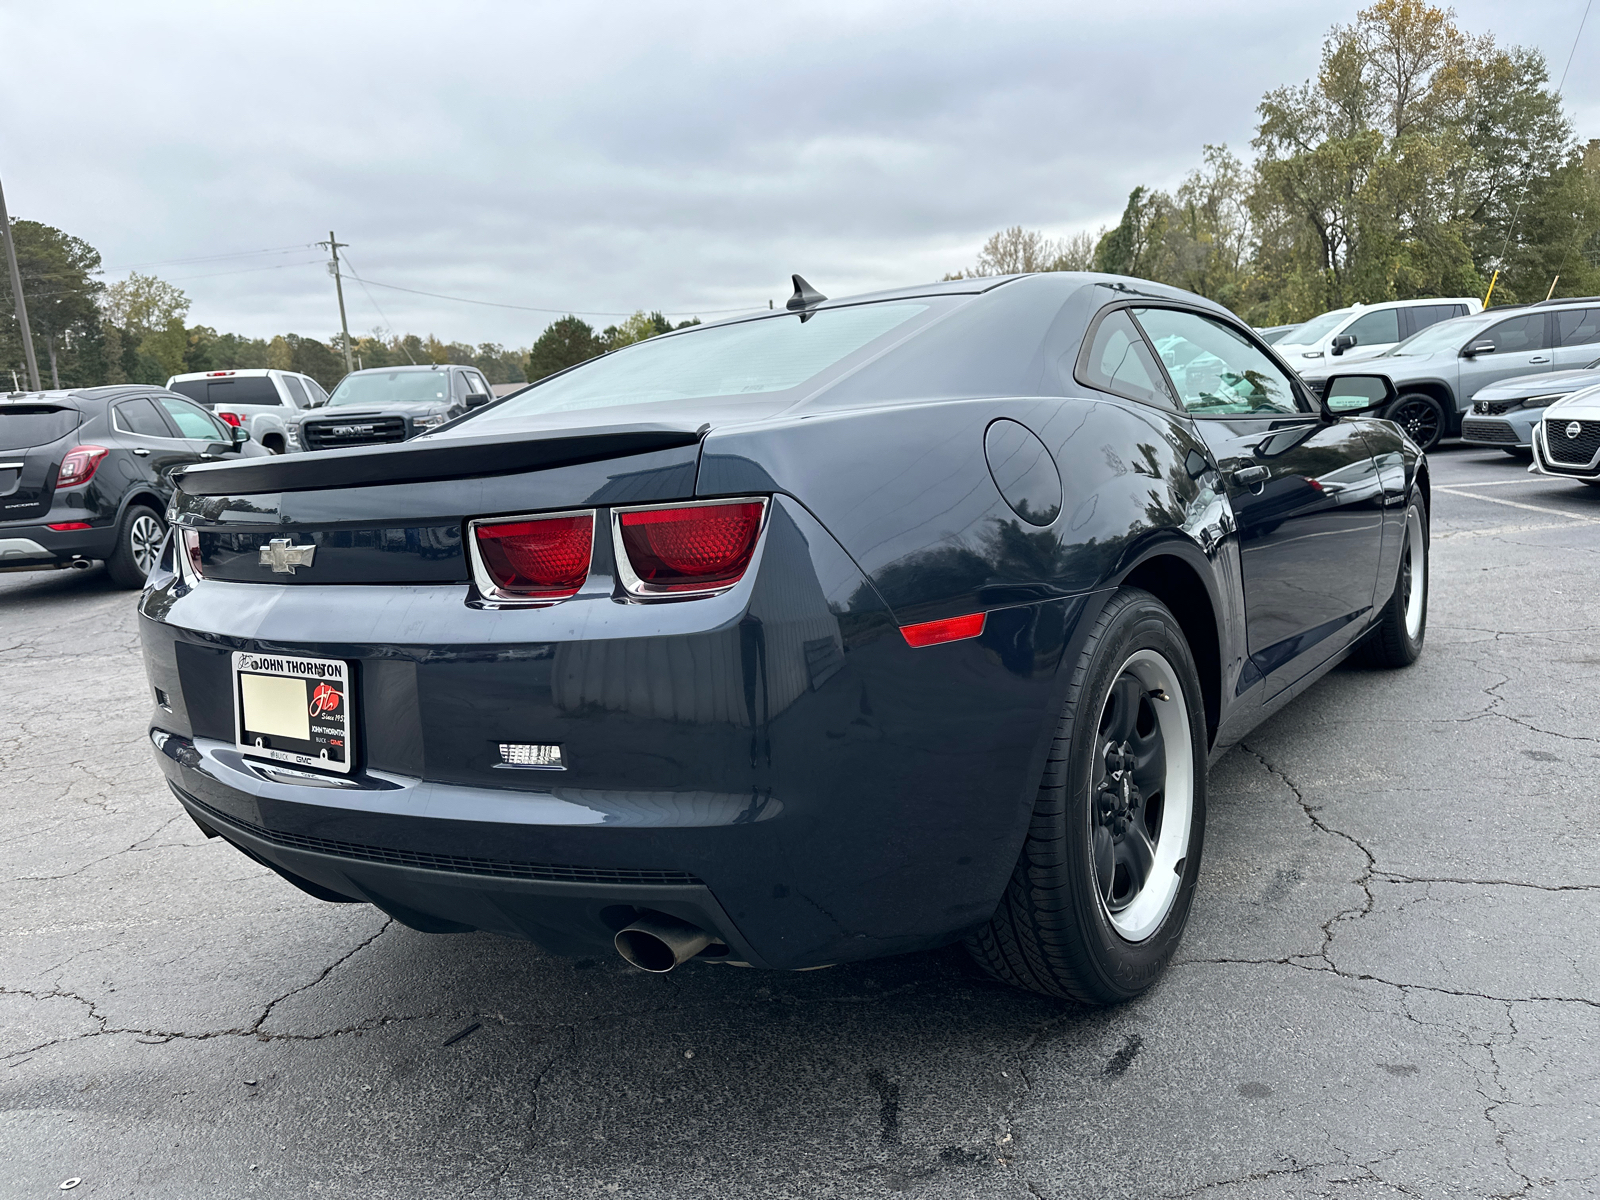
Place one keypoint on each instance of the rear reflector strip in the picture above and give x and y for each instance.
(66, 525)
(951, 629)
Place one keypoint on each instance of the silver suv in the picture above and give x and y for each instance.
(1440, 371)
(266, 402)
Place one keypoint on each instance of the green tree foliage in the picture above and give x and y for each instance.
(564, 343)
(58, 283)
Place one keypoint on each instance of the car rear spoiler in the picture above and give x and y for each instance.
(425, 460)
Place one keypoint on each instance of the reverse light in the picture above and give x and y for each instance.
(189, 553)
(951, 629)
(686, 549)
(66, 525)
(231, 418)
(532, 558)
(79, 465)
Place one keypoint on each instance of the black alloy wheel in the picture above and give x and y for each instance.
(1102, 888)
(1421, 418)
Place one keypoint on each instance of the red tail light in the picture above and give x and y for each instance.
(691, 548)
(79, 465)
(65, 526)
(542, 558)
(230, 418)
(189, 548)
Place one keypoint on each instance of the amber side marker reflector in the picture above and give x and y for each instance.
(951, 629)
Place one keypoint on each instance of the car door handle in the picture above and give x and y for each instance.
(1250, 476)
(1538, 358)
(141, 452)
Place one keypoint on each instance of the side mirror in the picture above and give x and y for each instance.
(241, 435)
(1347, 395)
(1343, 342)
(1478, 348)
(477, 400)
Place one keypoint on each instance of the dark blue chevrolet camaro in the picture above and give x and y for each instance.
(842, 631)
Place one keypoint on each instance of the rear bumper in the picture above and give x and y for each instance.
(775, 763)
(28, 547)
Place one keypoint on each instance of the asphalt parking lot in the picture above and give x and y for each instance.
(1390, 985)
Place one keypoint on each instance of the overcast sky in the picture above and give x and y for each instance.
(604, 158)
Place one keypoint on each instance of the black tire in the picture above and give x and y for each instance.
(1054, 932)
(138, 546)
(1421, 416)
(1396, 640)
(272, 443)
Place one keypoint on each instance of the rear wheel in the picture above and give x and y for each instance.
(1396, 640)
(1421, 416)
(1101, 893)
(139, 537)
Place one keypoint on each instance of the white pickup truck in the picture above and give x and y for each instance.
(266, 402)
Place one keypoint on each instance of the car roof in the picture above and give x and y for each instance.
(410, 368)
(104, 392)
(246, 372)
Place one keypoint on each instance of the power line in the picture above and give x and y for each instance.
(587, 312)
(1584, 20)
(172, 262)
(382, 316)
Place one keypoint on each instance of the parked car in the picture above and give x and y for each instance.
(848, 630)
(1566, 442)
(1439, 372)
(1504, 414)
(1273, 334)
(1364, 331)
(392, 404)
(266, 402)
(87, 474)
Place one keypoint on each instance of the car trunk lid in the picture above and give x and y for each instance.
(33, 439)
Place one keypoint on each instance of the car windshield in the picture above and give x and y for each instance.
(1316, 329)
(748, 358)
(392, 387)
(1446, 335)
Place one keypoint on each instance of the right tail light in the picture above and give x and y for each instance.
(691, 549)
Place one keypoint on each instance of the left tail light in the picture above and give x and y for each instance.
(188, 547)
(686, 549)
(79, 465)
(532, 558)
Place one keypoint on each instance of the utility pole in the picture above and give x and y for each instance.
(16, 295)
(333, 246)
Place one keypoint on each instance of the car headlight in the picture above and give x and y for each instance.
(1542, 401)
(429, 422)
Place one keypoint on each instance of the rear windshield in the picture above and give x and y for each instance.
(392, 387)
(252, 389)
(750, 358)
(35, 425)
(1316, 329)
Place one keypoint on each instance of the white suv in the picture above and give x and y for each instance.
(1366, 330)
(266, 402)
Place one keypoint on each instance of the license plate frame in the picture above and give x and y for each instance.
(312, 726)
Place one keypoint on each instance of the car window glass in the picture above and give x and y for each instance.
(478, 385)
(1215, 369)
(191, 421)
(1517, 334)
(195, 389)
(140, 416)
(247, 389)
(318, 396)
(296, 392)
(1119, 361)
(1578, 326)
(1375, 328)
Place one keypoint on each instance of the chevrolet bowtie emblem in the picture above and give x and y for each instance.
(283, 556)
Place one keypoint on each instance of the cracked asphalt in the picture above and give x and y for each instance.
(1390, 984)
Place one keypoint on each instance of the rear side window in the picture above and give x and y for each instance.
(1517, 334)
(296, 392)
(191, 422)
(1379, 328)
(1578, 327)
(140, 416)
(252, 389)
(1420, 316)
(1119, 361)
(35, 425)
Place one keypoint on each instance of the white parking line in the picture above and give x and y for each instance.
(1494, 482)
(1501, 530)
(1538, 508)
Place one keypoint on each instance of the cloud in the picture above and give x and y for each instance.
(639, 155)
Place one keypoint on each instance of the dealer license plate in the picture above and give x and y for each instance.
(294, 710)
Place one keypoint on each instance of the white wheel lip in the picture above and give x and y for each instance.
(1139, 920)
(1417, 546)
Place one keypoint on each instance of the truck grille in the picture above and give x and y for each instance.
(325, 435)
(1571, 451)
(1497, 432)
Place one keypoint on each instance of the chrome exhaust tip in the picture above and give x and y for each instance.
(81, 564)
(657, 943)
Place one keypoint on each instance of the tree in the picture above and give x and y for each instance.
(635, 329)
(1130, 248)
(149, 312)
(58, 284)
(565, 343)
